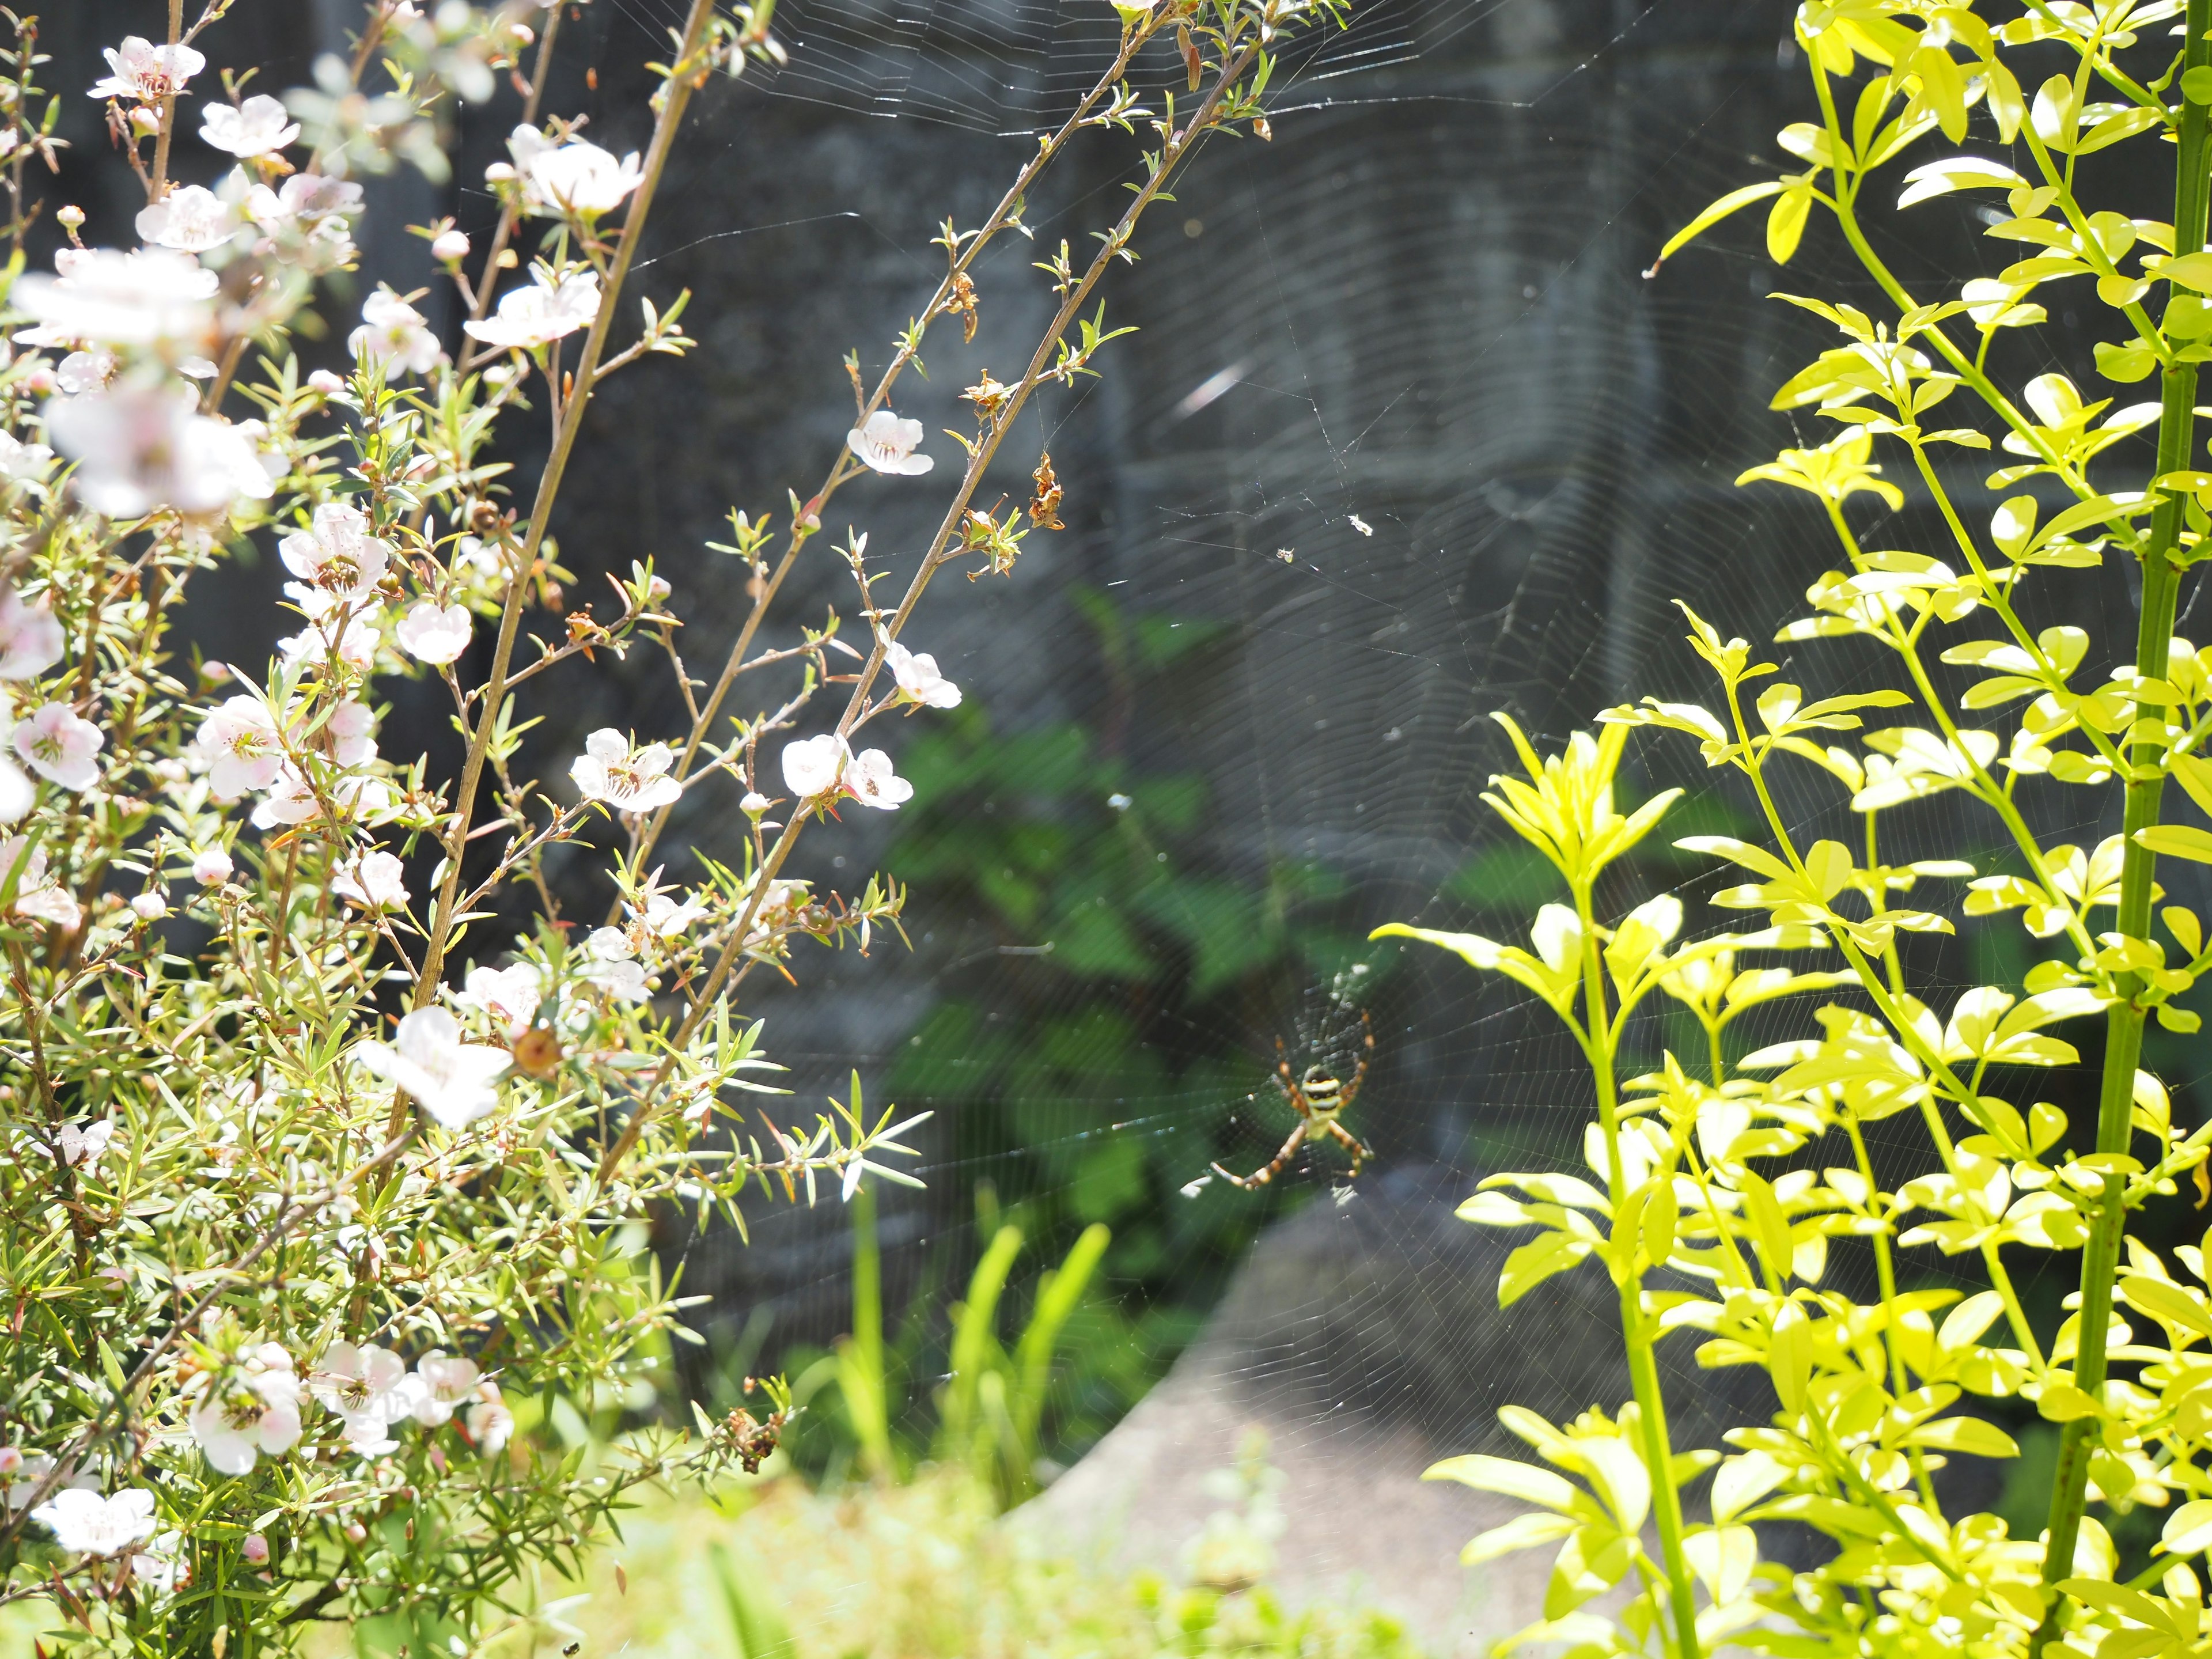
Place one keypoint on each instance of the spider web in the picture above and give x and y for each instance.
(1405, 438)
(1410, 437)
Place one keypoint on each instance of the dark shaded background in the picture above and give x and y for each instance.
(1406, 437)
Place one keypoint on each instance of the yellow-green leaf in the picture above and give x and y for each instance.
(1717, 211)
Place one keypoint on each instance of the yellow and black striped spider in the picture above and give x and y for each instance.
(1319, 1097)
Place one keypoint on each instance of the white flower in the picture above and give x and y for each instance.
(451, 1079)
(80, 1149)
(509, 995)
(20, 1473)
(261, 1415)
(161, 1566)
(608, 964)
(141, 72)
(30, 637)
(59, 746)
(355, 643)
(918, 678)
(23, 462)
(143, 447)
(291, 799)
(104, 294)
(211, 867)
(435, 633)
(668, 917)
(813, 766)
(871, 782)
(148, 907)
(337, 553)
(366, 1386)
(86, 371)
(38, 895)
(448, 245)
(489, 1422)
(350, 733)
(325, 382)
(17, 792)
(888, 444)
(445, 1381)
(89, 1524)
(241, 739)
(544, 312)
(607, 770)
(190, 218)
(575, 177)
(257, 127)
(373, 880)
(395, 335)
(304, 201)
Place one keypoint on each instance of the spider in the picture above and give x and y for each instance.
(1319, 1098)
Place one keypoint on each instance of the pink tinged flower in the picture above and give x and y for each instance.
(86, 1523)
(23, 463)
(888, 444)
(668, 917)
(80, 1148)
(110, 297)
(20, 1473)
(395, 335)
(336, 553)
(304, 200)
(190, 218)
(351, 732)
(38, 897)
(435, 633)
(509, 995)
(211, 867)
(445, 1383)
(30, 637)
(872, 783)
(608, 964)
(627, 781)
(59, 746)
(577, 177)
(918, 678)
(140, 72)
(490, 1424)
(148, 907)
(373, 881)
(813, 766)
(85, 371)
(328, 383)
(548, 310)
(253, 1549)
(241, 739)
(291, 799)
(450, 1079)
(257, 127)
(143, 447)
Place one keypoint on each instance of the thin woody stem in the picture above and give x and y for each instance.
(471, 349)
(157, 186)
(1174, 151)
(843, 469)
(684, 77)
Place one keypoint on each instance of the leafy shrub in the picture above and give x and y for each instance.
(1745, 1174)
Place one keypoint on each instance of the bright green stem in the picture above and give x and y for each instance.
(2161, 580)
(1642, 1366)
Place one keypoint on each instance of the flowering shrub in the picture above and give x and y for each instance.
(1870, 1393)
(317, 1182)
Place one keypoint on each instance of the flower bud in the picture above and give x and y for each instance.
(754, 804)
(450, 246)
(146, 119)
(254, 1549)
(212, 867)
(498, 173)
(150, 907)
(328, 383)
(71, 217)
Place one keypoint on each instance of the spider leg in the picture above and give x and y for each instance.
(1357, 1148)
(1260, 1178)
